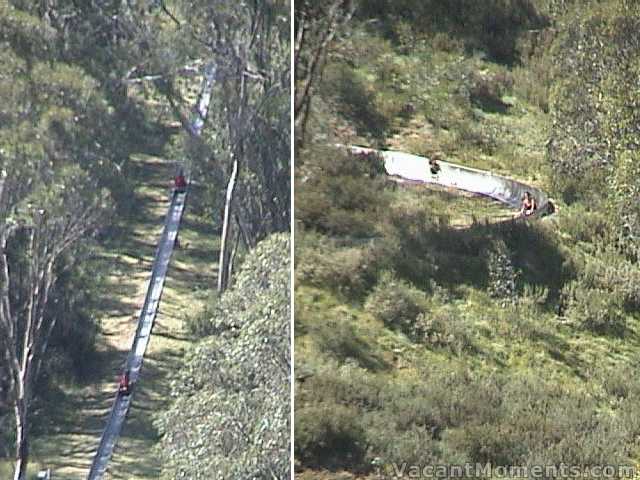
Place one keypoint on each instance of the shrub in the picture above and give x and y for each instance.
(329, 435)
(593, 309)
(350, 271)
(538, 422)
(357, 100)
(340, 194)
(533, 297)
(471, 135)
(342, 341)
(502, 274)
(583, 225)
(620, 382)
(609, 271)
(486, 92)
(532, 84)
(409, 232)
(232, 391)
(397, 304)
(447, 43)
(444, 328)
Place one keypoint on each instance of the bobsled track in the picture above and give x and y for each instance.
(149, 310)
(411, 168)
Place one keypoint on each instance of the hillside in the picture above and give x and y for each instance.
(105, 107)
(427, 335)
(232, 394)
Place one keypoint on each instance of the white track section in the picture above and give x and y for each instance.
(121, 403)
(414, 168)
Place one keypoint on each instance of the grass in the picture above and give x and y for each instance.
(456, 208)
(333, 331)
(68, 430)
(499, 343)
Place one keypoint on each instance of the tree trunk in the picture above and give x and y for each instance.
(222, 263)
(232, 257)
(22, 445)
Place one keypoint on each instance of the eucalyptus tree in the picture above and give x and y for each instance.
(159, 42)
(316, 25)
(249, 131)
(57, 153)
(43, 218)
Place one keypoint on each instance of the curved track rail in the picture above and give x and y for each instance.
(415, 169)
(122, 403)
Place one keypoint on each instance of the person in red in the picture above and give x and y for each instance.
(529, 205)
(124, 386)
(180, 183)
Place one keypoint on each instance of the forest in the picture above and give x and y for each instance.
(97, 116)
(430, 328)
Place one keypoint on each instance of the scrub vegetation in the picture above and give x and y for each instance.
(96, 119)
(425, 334)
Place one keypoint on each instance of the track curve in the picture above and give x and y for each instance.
(415, 169)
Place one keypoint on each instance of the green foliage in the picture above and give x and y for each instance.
(358, 102)
(350, 271)
(492, 26)
(583, 225)
(410, 225)
(497, 363)
(74, 306)
(487, 92)
(446, 328)
(341, 193)
(231, 411)
(451, 414)
(625, 187)
(594, 309)
(330, 435)
(594, 67)
(397, 304)
(502, 274)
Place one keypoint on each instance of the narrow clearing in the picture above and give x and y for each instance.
(75, 419)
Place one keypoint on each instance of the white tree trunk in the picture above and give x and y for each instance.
(22, 446)
(222, 263)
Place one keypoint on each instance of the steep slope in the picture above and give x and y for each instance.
(231, 411)
(418, 341)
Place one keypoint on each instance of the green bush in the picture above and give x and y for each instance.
(341, 340)
(357, 100)
(409, 241)
(232, 392)
(619, 382)
(341, 194)
(533, 83)
(350, 271)
(493, 26)
(397, 304)
(502, 274)
(330, 436)
(535, 422)
(594, 309)
(583, 225)
(452, 415)
(445, 328)
(609, 271)
(486, 92)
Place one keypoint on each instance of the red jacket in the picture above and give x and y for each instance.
(180, 182)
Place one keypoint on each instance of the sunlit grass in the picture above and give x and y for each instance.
(69, 427)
